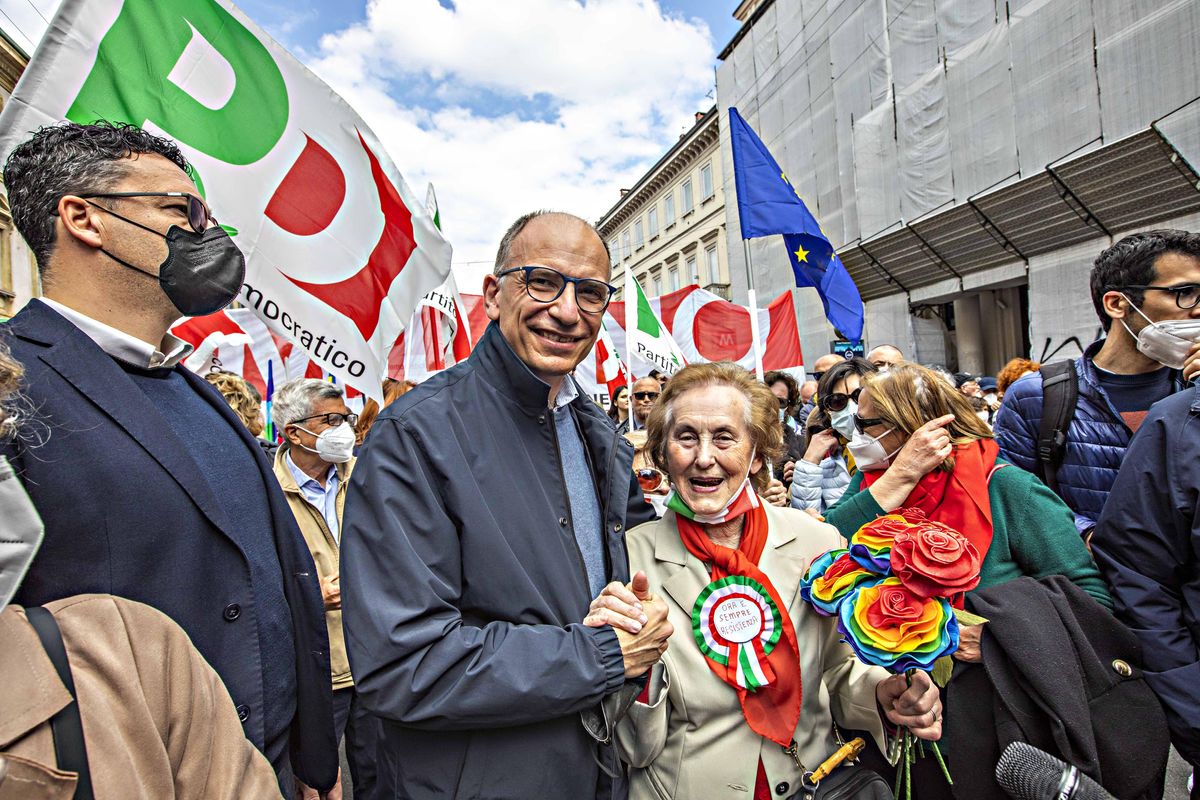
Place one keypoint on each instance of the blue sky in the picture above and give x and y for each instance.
(504, 105)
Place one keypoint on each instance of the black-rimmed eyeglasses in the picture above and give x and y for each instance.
(546, 285)
(197, 212)
(332, 419)
(1187, 295)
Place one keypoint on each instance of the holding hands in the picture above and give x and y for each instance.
(639, 619)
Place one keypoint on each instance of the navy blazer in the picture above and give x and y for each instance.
(128, 512)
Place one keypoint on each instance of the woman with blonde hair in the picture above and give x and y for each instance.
(919, 444)
(701, 728)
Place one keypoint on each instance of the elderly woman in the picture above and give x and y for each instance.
(823, 474)
(918, 443)
(697, 730)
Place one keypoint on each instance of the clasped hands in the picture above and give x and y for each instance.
(639, 619)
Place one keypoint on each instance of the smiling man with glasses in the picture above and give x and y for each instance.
(487, 516)
(1145, 289)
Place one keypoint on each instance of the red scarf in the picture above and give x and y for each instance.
(774, 710)
(958, 498)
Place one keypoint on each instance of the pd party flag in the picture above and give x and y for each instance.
(339, 250)
(645, 335)
(769, 205)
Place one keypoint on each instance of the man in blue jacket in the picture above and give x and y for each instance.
(486, 516)
(1147, 545)
(1146, 291)
(149, 485)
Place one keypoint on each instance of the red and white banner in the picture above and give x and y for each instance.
(708, 328)
(442, 332)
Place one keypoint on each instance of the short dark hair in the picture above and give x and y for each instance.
(1130, 262)
(69, 158)
(793, 389)
(504, 252)
(835, 375)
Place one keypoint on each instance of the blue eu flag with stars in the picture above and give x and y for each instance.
(768, 205)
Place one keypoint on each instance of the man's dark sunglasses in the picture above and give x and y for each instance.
(198, 214)
(861, 424)
(646, 395)
(1187, 295)
(546, 285)
(332, 419)
(838, 401)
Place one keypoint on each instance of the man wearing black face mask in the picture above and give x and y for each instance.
(149, 486)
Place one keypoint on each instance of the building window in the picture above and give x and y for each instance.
(614, 254)
(710, 260)
(706, 182)
(625, 249)
(688, 201)
(673, 279)
(643, 282)
(690, 270)
(639, 236)
(669, 209)
(652, 222)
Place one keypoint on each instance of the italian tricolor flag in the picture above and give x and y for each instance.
(646, 336)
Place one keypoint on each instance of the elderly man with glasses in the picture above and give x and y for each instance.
(313, 466)
(490, 617)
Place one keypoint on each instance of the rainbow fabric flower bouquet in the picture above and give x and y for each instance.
(893, 592)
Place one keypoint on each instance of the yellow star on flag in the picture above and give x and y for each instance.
(801, 254)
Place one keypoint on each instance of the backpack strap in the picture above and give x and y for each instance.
(70, 752)
(1060, 394)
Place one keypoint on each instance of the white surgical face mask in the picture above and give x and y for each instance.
(868, 452)
(1166, 342)
(335, 445)
(20, 532)
(843, 421)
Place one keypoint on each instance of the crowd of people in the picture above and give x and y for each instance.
(488, 586)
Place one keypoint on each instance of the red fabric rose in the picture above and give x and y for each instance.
(913, 515)
(934, 560)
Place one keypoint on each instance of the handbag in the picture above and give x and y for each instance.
(850, 782)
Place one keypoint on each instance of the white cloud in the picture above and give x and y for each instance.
(619, 79)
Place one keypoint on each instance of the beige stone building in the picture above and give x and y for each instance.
(18, 270)
(669, 229)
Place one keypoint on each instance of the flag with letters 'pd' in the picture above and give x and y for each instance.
(339, 250)
(769, 205)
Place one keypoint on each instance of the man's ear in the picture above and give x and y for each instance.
(491, 297)
(291, 434)
(80, 220)
(1116, 305)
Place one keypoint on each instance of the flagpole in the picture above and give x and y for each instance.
(630, 324)
(753, 298)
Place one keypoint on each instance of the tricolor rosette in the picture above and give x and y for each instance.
(889, 625)
(735, 621)
(871, 545)
(830, 578)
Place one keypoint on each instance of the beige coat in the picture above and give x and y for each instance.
(692, 740)
(324, 550)
(157, 721)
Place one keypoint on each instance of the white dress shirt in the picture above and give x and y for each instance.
(119, 344)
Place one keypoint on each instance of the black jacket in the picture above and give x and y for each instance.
(1147, 545)
(128, 512)
(463, 589)
(1060, 673)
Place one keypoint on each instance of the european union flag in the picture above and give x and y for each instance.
(768, 205)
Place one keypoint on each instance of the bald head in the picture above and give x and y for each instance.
(885, 356)
(824, 363)
(583, 236)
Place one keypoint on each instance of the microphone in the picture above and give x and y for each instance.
(1028, 773)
